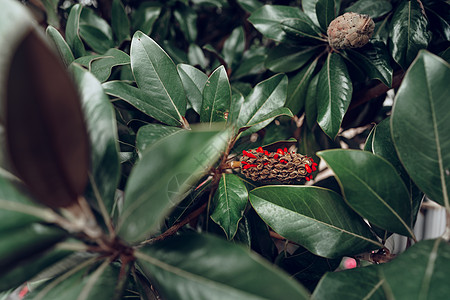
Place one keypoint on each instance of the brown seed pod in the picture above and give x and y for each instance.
(282, 166)
(350, 30)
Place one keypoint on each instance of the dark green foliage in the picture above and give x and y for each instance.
(120, 142)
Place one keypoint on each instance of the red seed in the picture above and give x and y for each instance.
(308, 168)
(275, 156)
(260, 150)
(310, 158)
(313, 167)
(307, 178)
(252, 165)
(279, 151)
(244, 162)
(285, 150)
(314, 164)
(283, 161)
(246, 167)
(248, 154)
(266, 163)
(266, 152)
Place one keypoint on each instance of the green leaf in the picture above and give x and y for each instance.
(354, 284)
(87, 281)
(286, 59)
(229, 203)
(90, 18)
(49, 149)
(326, 12)
(149, 194)
(149, 134)
(156, 73)
(25, 241)
(234, 47)
(311, 102)
(73, 31)
(372, 187)
(95, 38)
(408, 32)
(60, 44)
(298, 87)
(31, 266)
(150, 103)
(249, 5)
(374, 60)
(252, 63)
(101, 122)
(196, 57)
(187, 20)
(309, 7)
(193, 81)
(266, 96)
(205, 267)
(334, 93)
(374, 9)
(51, 11)
(145, 16)
(102, 66)
(119, 22)
(267, 20)
(216, 97)
(315, 218)
(301, 27)
(427, 263)
(424, 150)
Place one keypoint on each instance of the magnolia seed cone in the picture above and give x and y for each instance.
(284, 168)
(350, 30)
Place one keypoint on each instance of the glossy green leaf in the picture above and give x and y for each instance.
(60, 44)
(438, 13)
(374, 9)
(334, 93)
(316, 218)
(144, 17)
(31, 266)
(196, 57)
(236, 103)
(51, 11)
(265, 97)
(90, 18)
(152, 104)
(427, 263)
(49, 149)
(306, 267)
(156, 73)
(285, 59)
(267, 20)
(22, 242)
(119, 22)
(408, 32)
(354, 284)
(298, 87)
(73, 31)
(149, 134)
(229, 203)
(95, 38)
(88, 281)
(101, 125)
(187, 19)
(424, 150)
(250, 5)
(372, 187)
(205, 267)
(150, 194)
(301, 27)
(193, 81)
(234, 47)
(102, 67)
(309, 8)
(311, 102)
(326, 12)
(374, 60)
(216, 97)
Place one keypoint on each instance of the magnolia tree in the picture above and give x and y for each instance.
(177, 149)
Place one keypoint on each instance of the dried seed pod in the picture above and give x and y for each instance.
(281, 166)
(350, 30)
